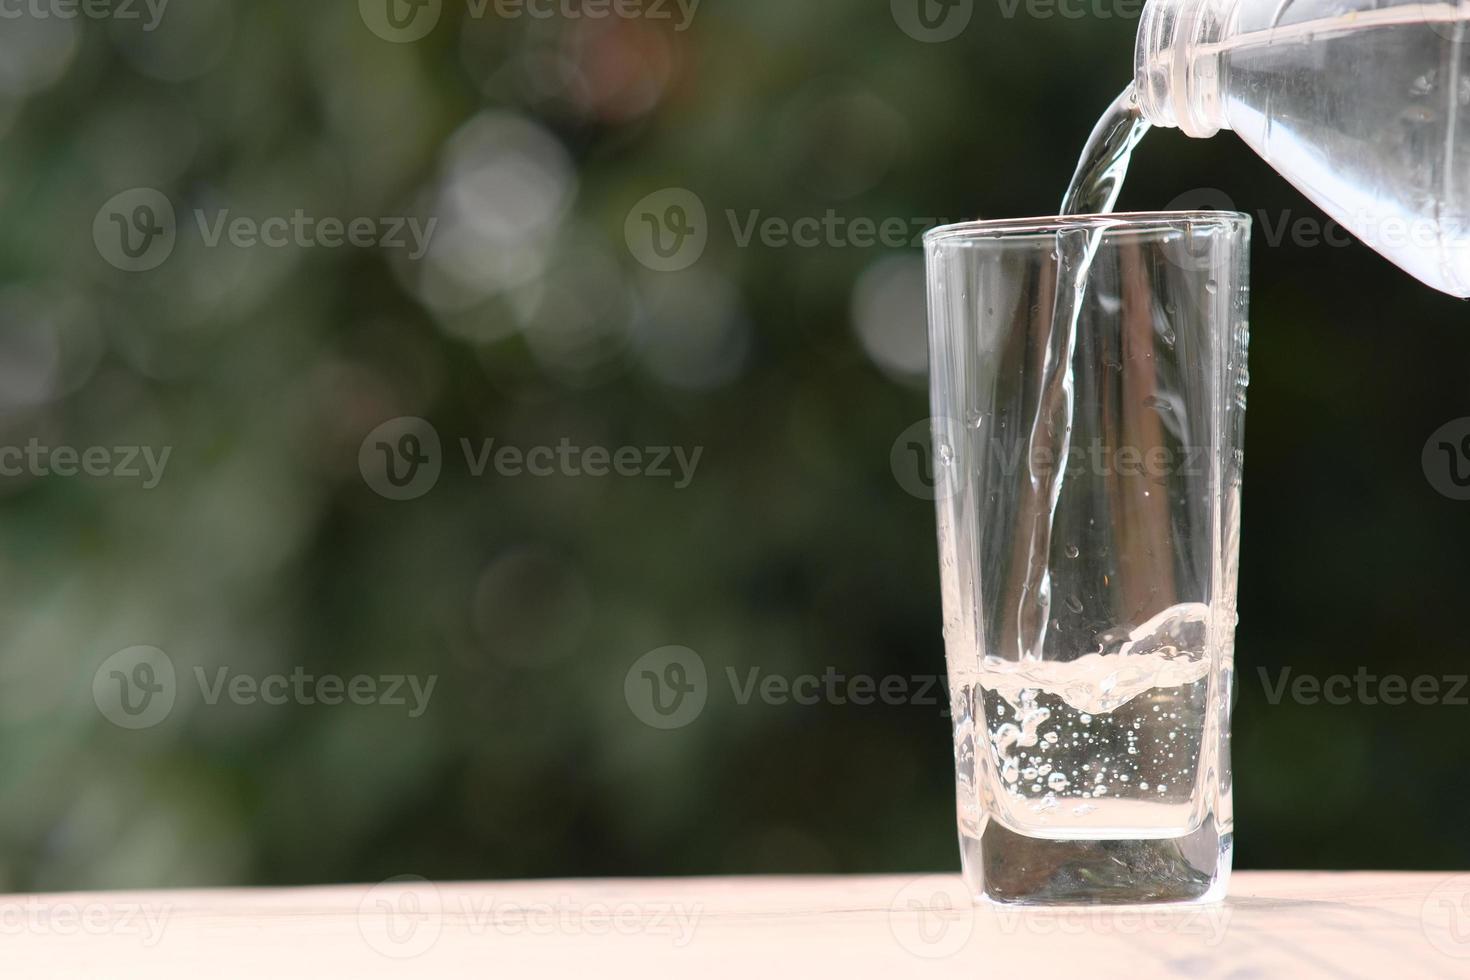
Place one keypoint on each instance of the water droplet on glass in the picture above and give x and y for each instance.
(1056, 781)
(1072, 551)
(1074, 604)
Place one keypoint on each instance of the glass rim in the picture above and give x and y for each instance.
(1011, 229)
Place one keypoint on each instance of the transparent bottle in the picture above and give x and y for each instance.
(1357, 102)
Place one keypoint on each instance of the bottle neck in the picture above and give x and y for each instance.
(1176, 75)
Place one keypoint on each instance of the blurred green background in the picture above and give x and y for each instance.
(531, 320)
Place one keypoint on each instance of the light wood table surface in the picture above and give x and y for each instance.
(1275, 924)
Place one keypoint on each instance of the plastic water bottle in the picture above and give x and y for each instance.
(1358, 103)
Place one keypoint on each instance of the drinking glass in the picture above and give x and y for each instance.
(1088, 379)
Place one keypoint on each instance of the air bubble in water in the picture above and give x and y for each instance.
(1057, 781)
(1158, 404)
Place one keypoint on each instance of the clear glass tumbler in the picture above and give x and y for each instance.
(1088, 379)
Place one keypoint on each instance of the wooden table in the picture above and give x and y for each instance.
(1274, 925)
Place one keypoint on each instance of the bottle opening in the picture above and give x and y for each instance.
(1176, 76)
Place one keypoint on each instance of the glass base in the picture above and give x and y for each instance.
(1011, 869)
